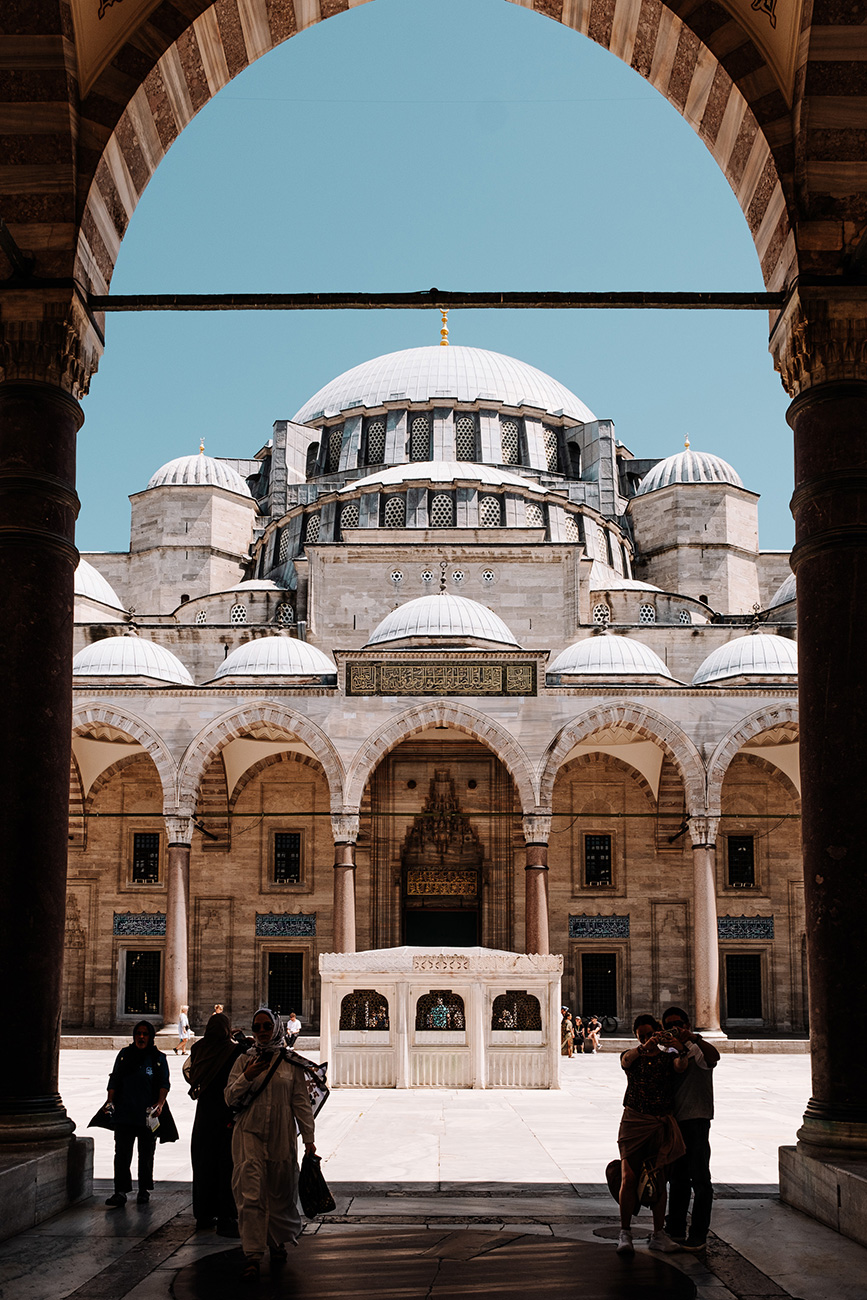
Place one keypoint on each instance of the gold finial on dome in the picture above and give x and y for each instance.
(444, 332)
(686, 442)
(201, 446)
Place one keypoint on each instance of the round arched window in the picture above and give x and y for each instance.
(646, 614)
(601, 614)
(238, 614)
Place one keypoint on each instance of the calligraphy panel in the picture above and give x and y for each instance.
(441, 679)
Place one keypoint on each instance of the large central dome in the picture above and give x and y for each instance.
(456, 373)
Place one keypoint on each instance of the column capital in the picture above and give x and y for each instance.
(536, 827)
(50, 335)
(820, 337)
(179, 827)
(703, 831)
(344, 827)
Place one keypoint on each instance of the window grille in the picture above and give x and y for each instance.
(285, 614)
(741, 861)
(440, 1009)
(285, 980)
(489, 512)
(202, 617)
(458, 577)
(509, 435)
(552, 457)
(599, 984)
(743, 986)
(375, 442)
(396, 576)
(488, 577)
(534, 513)
(516, 1010)
(597, 860)
(364, 1009)
(145, 858)
(287, 858)
(419, 437)
(349, 516)
(442, 511)
(427, 577)
(238, 614)
(684, 618)
(335, 443)
(465, 437)
(571, 530)
(142, 983)
(602, 545)
(646, 614)
(601, 614)
(395, 512)
(283, 546)
(311, 531)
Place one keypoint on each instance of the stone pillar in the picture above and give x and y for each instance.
(176, 988)
(38, 506)
(703, 831)
(345, 830)
(818, 344)
(537, 828)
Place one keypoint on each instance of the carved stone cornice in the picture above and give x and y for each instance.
(820, 337)
(48, 337)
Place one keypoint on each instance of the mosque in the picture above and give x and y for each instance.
(442, 663)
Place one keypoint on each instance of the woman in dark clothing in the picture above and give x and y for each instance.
(137, 1088)
(211, 1059)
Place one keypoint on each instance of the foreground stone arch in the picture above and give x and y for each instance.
(776, 715)
(631, 717)
(92, 717)
(449, 713)
(235, 725)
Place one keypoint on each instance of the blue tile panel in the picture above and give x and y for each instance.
(745, 927)
(285, 925)
(140, 925)
(598, 927)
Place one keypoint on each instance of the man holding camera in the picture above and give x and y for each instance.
(693, 1110)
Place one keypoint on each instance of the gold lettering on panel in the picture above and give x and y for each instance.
(431, 880)
(441, 679)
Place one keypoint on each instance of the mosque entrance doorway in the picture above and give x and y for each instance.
(441, 865)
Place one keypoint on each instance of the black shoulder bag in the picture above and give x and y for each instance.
(242, 1105)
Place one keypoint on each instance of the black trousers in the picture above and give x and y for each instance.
(125, 1136)
(691, 1174)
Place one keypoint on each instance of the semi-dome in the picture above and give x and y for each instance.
(91, 585)
(459, 374)
(756, 655)
(276, 656)
(439, 616)
(784, 593)
(130, 656)
(199, 471)
(442, 471)
(608, 656)
(604, 578)
(689, 467)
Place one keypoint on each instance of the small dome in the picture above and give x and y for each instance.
(443, 471)
(608, 656)
(91, 585)
(689, 467)
(276, 656)
(603, 578)
(756, 655)
(199, 471)
(784, 593)
(460, 374)
(252, 584)
(442, 615)
(130, 656)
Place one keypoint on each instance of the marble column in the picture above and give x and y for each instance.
(38, 506)
(176, 989)
(537, 828)
(345, 831)
(703, 831)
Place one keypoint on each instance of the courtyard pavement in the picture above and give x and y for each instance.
(431, 1161)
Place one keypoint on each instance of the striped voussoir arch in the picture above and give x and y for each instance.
(704, 65)
(765, 719)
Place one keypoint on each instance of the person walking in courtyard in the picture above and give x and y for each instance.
(648, 1135)
(693, 1110)
(137, 1089)
(184, 1031)
(270, 1096)
(211, 1059)
(567, 1035)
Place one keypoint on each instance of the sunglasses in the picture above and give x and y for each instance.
(262, 1029)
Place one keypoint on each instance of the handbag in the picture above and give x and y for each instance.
(313, 1190)
(103, 1119)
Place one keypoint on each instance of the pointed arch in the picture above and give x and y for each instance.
(438, 713)
(631, 717)
(77, 820)
(92, 717)
(766, 719)
(237, 724)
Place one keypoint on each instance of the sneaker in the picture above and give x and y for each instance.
(624, 1243)
(143, 1197)
(692, 1243)
(662, 1242)
(116, 1201)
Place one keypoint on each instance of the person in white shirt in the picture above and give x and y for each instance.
(293, 1029)
(693, 1110)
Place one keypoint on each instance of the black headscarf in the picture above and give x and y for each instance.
(212, 1052)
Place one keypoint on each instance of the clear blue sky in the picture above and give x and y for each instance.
(467, 144)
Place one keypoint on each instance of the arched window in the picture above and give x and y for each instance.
(394, 515)
(574, 459)
(311, 529)
(510, 436)
(419, 437)
(465, 436)
(364, 1009)
(375, 440)
(489, 512)
(646, 614)
(238, 614)
(534, 513)
(684, 617)
(349, 516)
(202, 617)
(601, 614)
(516, 1009)
(285, 614)
(440, 1009)
(335, 443)
(311, 459)
(552, 454)
(571, 528)
(602, 549)
(283, 546)
(442, 510)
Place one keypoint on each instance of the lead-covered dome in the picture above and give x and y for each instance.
(91, 585)
(456, 373)
(199, 471)
(756, 655)
(431, 619)
(130, 656)
(276, 656)
(689, 467)
(785, 593)
(608, 656)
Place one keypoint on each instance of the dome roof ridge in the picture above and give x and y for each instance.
(130, 655)
(440, 614)
(278, 655)
(689, 466)
(199, 471)
(609, 655)
(758, 654)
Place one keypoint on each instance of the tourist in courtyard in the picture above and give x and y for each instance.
(293, 1029)
(567, 1035)
(592, 1030)
(184, 1031)
(272, 1096)
(211, 1059)
(693, 1110)
(137, 1089)
(649, 1135)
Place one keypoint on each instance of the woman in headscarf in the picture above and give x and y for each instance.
(137, 1087)
(211, 1059)
(273, 1095)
